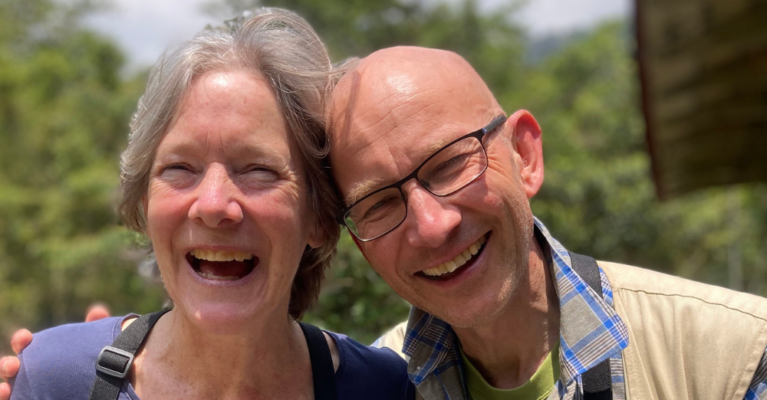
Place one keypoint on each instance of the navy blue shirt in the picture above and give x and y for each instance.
(60, 364)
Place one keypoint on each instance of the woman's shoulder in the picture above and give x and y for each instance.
(370, 372)
(60, 362)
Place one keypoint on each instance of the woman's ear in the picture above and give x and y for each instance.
(316, 237)
(526, 138)
(145, 205)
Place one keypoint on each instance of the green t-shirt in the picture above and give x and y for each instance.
(538, 387)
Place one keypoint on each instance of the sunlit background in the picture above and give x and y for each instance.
(145, 28)
(71, 73)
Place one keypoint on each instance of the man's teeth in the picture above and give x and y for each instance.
(212, 255)
(458, 261)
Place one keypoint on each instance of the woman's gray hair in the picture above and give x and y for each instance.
(282, 47)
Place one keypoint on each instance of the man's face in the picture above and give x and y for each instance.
(396, 123)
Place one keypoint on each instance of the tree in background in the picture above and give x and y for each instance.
(64, 109)
(64, 112)
(598, 197)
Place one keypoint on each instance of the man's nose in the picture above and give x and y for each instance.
(431, 218)
(216, 204)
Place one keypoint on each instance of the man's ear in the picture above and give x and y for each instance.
(526, 138)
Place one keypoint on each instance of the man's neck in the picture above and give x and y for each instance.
(509, 349)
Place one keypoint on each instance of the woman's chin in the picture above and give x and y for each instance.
(224, 318)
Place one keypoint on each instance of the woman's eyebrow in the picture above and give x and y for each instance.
(250, 151)
(178, 148)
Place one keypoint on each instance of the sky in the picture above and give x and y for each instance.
(145, 28)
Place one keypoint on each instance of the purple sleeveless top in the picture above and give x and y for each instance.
(60, 364)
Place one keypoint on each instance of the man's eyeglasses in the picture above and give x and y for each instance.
(448, 170)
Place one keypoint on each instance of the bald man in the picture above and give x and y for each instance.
(436, 182)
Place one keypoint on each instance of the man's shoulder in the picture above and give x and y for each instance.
(667, 288)
(686, 339)
(394, 339)
(61, 361)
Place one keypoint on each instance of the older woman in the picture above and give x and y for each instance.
(223, 174)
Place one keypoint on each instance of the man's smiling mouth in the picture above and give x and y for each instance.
(221, 265)
(447, 269)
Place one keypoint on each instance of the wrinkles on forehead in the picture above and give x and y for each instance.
(365, 102)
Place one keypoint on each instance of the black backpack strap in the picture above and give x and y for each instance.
(115, 361)
(323, 373)
(597, 382)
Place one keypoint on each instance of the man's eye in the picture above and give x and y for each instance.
(451, 166)
(380, 207)
(456, 161)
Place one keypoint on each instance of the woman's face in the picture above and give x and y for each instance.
(226, 210)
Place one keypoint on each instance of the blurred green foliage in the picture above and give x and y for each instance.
(64, 110)
(598, 197)
(65, 106)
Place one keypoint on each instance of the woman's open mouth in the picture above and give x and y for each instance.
(221, 265)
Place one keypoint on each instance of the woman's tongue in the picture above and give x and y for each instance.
(224, 270)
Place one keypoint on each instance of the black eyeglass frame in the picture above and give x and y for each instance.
(478, 134)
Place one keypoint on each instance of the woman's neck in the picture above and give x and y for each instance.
(265, 360)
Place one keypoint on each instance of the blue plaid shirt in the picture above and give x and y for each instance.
(590, 332)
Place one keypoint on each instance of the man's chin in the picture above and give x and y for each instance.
(468, 313)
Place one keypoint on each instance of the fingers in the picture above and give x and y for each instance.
(9, 367)
(5, 391)
(95, 313)
(20, 340)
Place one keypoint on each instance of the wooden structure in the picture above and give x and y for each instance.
(703, 69)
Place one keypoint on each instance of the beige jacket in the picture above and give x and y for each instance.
(687, 340)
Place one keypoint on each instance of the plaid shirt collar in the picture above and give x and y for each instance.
(590, 330)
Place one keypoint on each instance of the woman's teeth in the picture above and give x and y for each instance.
(212, 255)
(222, 265)
(458, 261)
(217, 277)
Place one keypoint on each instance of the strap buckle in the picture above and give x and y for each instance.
(102, 365)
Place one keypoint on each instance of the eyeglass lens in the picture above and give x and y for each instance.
(447, 171)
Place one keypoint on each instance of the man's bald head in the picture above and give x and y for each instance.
(403, 88)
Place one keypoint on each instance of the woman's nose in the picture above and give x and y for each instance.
(216, 204)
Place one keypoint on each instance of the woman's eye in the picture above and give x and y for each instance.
(177, 175)
(259, 169)
(175, 168)
(260, 172)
